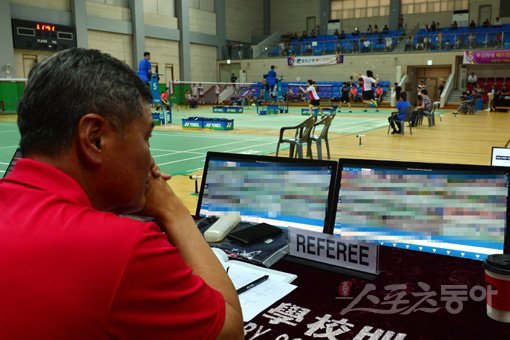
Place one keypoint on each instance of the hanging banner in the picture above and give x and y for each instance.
(316, 60)
(487, 57)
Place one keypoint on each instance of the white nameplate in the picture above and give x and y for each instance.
(331, 249)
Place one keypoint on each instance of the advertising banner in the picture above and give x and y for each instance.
(487, 57)
(316, 60)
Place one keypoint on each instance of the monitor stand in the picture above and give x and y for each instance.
(331, 268)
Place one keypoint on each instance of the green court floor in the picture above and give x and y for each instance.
(352, 123)
(177, 152)
(183, 151)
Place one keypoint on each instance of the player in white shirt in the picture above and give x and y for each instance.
(368, 82)
(314, 97)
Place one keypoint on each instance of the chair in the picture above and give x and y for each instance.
(436, 106)
(407, 119)
(302, 135)
(431, 119)
(323, 135)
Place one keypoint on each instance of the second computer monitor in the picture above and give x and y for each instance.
(455, 210)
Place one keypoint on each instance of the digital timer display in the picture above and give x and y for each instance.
(36, 35)
(45, 27)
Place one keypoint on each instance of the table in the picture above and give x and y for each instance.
(416, 296)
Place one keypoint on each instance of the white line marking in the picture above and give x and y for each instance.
(202, 156)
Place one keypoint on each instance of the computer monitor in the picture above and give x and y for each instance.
(280, 191)
(455, 210)
(500, 156)
(17, 155)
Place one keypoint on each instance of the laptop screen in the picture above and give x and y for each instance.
(17, 155)
(279, 191)
(455, 210)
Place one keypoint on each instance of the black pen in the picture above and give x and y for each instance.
(252, 284)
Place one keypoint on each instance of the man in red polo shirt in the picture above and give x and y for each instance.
(71, 267)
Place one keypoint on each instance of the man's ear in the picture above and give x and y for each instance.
(91, 135)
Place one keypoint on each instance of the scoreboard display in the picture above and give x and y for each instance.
(36, 35)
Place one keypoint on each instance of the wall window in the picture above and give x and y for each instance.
(432, 6)
(353, 9)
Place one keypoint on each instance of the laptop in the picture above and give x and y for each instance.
(284, 192)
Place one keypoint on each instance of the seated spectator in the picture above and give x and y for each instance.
(439, 41)
(486, 22)
(356, 32)
(447, 45)
(337, 33)
(499, 39)
(433, 26)
(247, 96)
(376, 29)
(289, 95)
(471, 40)
(345, 94)
(192, 102)
(366, 46)
(409, 43)
(353, 94)
(370, 30)
(420, 43)
(385, 29)
(165, 97)
(400, 114)
(304, 35)
(468, 100)
(497, 23)
(308, 49)
(338, 48)
(355, 46)
(342, 35)
(424, 108)
(459, 41)
(379, 93)
(426, 42)
(472, 24)
(388, 45)
(426, 28)
(454, 25)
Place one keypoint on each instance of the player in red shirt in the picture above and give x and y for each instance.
(72, 267)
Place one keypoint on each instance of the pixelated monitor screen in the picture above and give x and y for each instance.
(444, 209)
(278, 191)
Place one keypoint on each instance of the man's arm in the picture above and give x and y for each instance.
(175, 218)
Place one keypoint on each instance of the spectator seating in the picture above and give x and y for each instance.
(485, 37)
(327, 44)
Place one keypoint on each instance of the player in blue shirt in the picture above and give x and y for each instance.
(145, 67)
(271, 79)
(401, 106)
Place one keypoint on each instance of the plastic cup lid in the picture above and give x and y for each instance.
(498, 263)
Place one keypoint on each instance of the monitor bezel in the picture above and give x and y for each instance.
(343, 162)
(492, 154)
(233, 157)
